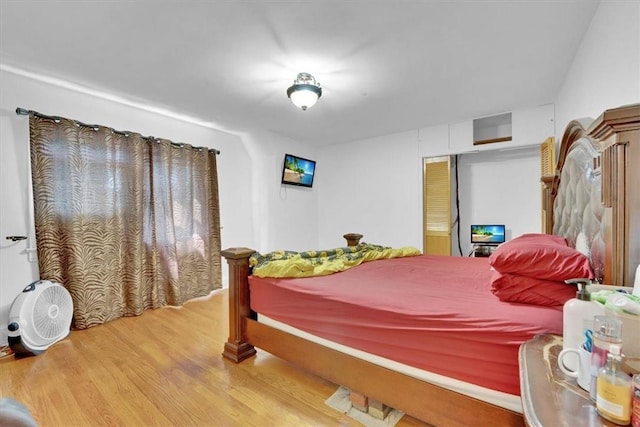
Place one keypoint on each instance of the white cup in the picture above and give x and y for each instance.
(583, 373)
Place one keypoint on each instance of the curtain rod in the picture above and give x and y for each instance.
(25, 112)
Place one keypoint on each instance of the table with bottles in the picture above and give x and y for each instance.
(549, 397)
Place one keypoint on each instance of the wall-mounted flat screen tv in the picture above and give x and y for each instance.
(487, 234)
(298, 171)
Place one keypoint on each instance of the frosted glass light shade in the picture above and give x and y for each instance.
(305, 91)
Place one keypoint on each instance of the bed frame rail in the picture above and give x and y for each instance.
(422, 400)
(425, 401)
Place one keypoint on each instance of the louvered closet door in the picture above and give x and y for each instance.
(437, 206)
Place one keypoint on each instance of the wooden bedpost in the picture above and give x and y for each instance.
(236, 348)
(618, 133)
(353, 238)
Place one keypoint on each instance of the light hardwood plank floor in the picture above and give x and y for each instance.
(164, 368)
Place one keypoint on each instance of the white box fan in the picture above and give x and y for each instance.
(39, 317)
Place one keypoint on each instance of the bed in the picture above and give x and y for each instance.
(591, 202)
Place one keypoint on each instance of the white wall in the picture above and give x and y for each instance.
(372, 187)
(499, 187)
(375, 188)
(16, 271)
(283, 216)
(605, 72)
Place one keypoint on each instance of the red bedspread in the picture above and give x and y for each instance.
(432, 312)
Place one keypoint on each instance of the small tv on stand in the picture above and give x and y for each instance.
(487, 234)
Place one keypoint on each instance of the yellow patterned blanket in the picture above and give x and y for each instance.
(321, 263)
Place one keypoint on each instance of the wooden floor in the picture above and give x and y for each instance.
(165, 368)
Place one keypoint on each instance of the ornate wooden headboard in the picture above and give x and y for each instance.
(594, 197)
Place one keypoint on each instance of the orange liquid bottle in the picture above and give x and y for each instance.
(613, 396)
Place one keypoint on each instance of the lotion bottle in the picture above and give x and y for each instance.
(577, 318)
(613, 400)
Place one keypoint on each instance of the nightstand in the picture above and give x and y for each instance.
(549, 397)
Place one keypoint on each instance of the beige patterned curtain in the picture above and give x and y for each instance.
(124, 222)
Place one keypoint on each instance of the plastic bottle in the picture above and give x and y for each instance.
(614, 389)
(577, 318)
(607, 330)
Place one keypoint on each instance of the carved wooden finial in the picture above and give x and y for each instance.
(352, 238)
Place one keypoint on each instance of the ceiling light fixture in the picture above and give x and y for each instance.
(305, 91)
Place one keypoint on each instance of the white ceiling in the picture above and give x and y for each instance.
(384, 66)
